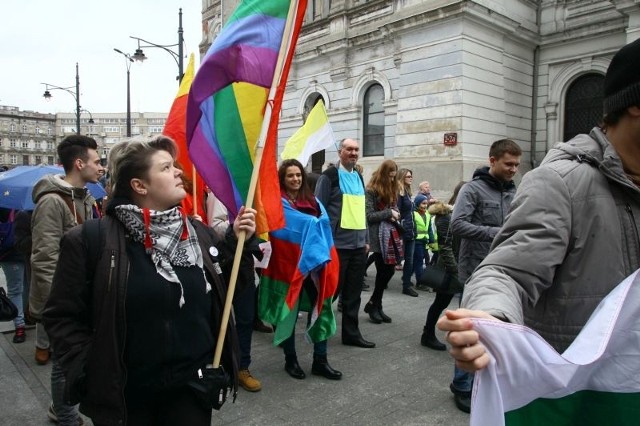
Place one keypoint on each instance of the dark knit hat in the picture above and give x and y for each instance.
(418, 200)
(622, 82)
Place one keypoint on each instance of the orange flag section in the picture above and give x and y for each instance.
(175, 128)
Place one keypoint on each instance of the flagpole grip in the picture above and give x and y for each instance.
(194, 189)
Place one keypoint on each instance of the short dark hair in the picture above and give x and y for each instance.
(131, 159)
(73, 147)
(502, 147)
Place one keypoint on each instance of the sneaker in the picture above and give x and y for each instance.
(248, 382)
(54, 418)
(20, 335)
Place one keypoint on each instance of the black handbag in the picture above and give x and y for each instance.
(435, 277)
(211, 387)
(8, 310)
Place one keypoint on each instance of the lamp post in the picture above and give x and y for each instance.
(178, 57)
(127, 61)
(76, 95)
(90, 115)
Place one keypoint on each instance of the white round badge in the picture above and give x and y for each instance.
(213, 251)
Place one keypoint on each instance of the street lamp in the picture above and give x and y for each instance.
(178, 57)
(90, 115)
(76, 95)
(127, 61)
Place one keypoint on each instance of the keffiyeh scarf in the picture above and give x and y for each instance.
(167, 236)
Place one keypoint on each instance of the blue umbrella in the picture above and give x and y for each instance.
(16, 185)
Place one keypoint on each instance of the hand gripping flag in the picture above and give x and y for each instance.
(228, 100)
(594, 382)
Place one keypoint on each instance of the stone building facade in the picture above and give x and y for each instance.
(31, 138)
(26, 137)
(431, 84)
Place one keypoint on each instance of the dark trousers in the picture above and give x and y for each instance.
(176, 407)
(352, 266)
(244, 310)
(384, 272)
(440, 303)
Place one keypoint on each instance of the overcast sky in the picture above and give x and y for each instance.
(41, 41)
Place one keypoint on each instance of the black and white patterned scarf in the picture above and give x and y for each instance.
(167, 236)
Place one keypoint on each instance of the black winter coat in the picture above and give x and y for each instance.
(85, 318)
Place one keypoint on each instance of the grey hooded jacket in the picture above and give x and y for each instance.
(571, 237)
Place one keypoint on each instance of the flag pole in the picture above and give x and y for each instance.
(194, 189)
(284, 48)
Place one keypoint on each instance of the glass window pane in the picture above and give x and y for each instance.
(373, 137)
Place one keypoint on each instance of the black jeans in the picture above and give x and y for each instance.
(384, 272)
(440, 303)
(352, 267)
(244, 310)
(175, 407)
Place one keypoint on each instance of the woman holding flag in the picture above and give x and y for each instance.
(136, 301)
(309, 284)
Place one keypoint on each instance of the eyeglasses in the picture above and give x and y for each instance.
(408, 177)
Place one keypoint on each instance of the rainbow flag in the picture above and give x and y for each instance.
(175, 128)
(227, 105)
(594, 382)
(303, 248)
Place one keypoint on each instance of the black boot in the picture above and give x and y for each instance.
(374, 313)
(321, 367)
(292, 367)
(430, 340)
(385, 318)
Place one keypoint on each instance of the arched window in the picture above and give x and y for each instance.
(318, 158)
(373, 126)
(583, 105)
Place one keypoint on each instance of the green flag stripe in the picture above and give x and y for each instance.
(584, 408)
(232, 140)
(275, 8)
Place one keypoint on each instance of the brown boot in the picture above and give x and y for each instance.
(248, 382)
(42, 356)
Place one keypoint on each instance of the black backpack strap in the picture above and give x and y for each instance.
(92, 235)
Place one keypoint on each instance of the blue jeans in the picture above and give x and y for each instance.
(420, 258)
(462, 380)
(407, 268)
(14, 275)
(67, 414)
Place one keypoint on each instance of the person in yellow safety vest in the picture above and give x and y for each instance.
(425, 237)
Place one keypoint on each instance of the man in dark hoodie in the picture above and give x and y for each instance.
(478, 214)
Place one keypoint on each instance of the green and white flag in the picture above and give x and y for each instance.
(596, 381)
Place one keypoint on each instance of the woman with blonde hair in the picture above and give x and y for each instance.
(381, 206)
